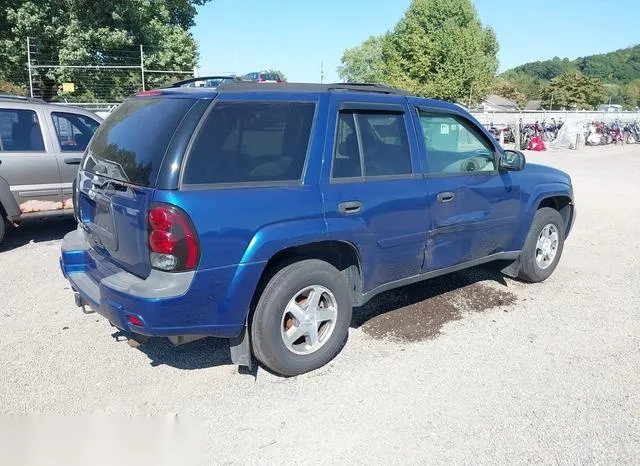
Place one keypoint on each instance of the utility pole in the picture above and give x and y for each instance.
(322, 72)
(29, 67)
(142, 67)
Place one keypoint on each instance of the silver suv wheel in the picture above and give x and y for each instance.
(308, 320)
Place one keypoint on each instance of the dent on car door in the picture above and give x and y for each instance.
(374, 195)
(474, 207)
(30, 172)
(73, 131)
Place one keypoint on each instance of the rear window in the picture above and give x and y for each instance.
(131, 143)
(251, 142)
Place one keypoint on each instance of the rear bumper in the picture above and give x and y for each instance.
(167, 304)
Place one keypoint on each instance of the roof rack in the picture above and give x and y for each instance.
(301, 87)
(368, 87)
(21, 98)
(203, 78)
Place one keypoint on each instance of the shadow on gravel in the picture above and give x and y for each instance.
(37, 231)
(418, 312)
(199, 354)
(413, 313)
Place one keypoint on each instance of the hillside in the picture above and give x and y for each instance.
(619, 71)
(619, 67)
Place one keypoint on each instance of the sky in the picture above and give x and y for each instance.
(299, 37)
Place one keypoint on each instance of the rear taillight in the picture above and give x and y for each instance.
(173, 242)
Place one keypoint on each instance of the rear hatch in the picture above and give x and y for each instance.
(118, 177)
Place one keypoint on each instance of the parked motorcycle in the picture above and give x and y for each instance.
(632, 133)
(550, 129)
(615, 131)
(597, 134)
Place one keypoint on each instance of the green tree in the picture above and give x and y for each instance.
(440, 49)
(614, 92)
(530, 86)
(618, 67)
(573, 90)
(631, 95)
(508, 90)
(364, 64)
(85, 32)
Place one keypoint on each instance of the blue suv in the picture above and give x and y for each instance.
(264, 213)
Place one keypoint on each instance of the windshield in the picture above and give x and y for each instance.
(131, 143)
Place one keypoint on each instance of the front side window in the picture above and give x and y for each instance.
(74, 131)
(20, 131)
(371, 144)
(454, 145)
(251, 142)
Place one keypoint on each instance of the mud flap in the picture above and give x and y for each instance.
(240, 349)
(512, 269)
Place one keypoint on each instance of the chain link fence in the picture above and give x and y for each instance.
(99, 80)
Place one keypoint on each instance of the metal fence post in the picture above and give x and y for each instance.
(29, 67)
(142, 66)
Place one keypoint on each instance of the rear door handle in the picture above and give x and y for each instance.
(350, 207)
(73, 160)
(445, 197)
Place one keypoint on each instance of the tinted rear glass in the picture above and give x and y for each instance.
(131, 143)
(245, 142)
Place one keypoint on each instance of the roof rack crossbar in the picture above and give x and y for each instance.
(201, 78)
(21, 98)
(367, 87)
(356, 87)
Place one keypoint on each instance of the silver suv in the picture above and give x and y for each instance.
(41, 146)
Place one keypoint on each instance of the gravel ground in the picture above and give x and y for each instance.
(471, 368)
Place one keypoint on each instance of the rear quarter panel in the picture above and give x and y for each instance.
(241, 227)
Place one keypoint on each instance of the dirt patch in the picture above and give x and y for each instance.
(419, 312)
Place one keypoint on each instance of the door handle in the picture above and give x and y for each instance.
(73, 160)
(445, 197)
(350, 207)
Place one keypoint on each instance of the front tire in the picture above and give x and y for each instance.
(543, 246)
(302, 318)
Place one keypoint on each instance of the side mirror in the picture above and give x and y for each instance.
(512, 160)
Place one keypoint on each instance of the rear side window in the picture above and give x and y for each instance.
(73, 131)
(371, 144)
(20, 131)
(131, 143)
(251, 142)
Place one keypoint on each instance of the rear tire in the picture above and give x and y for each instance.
(292, 305)
(543, 246)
